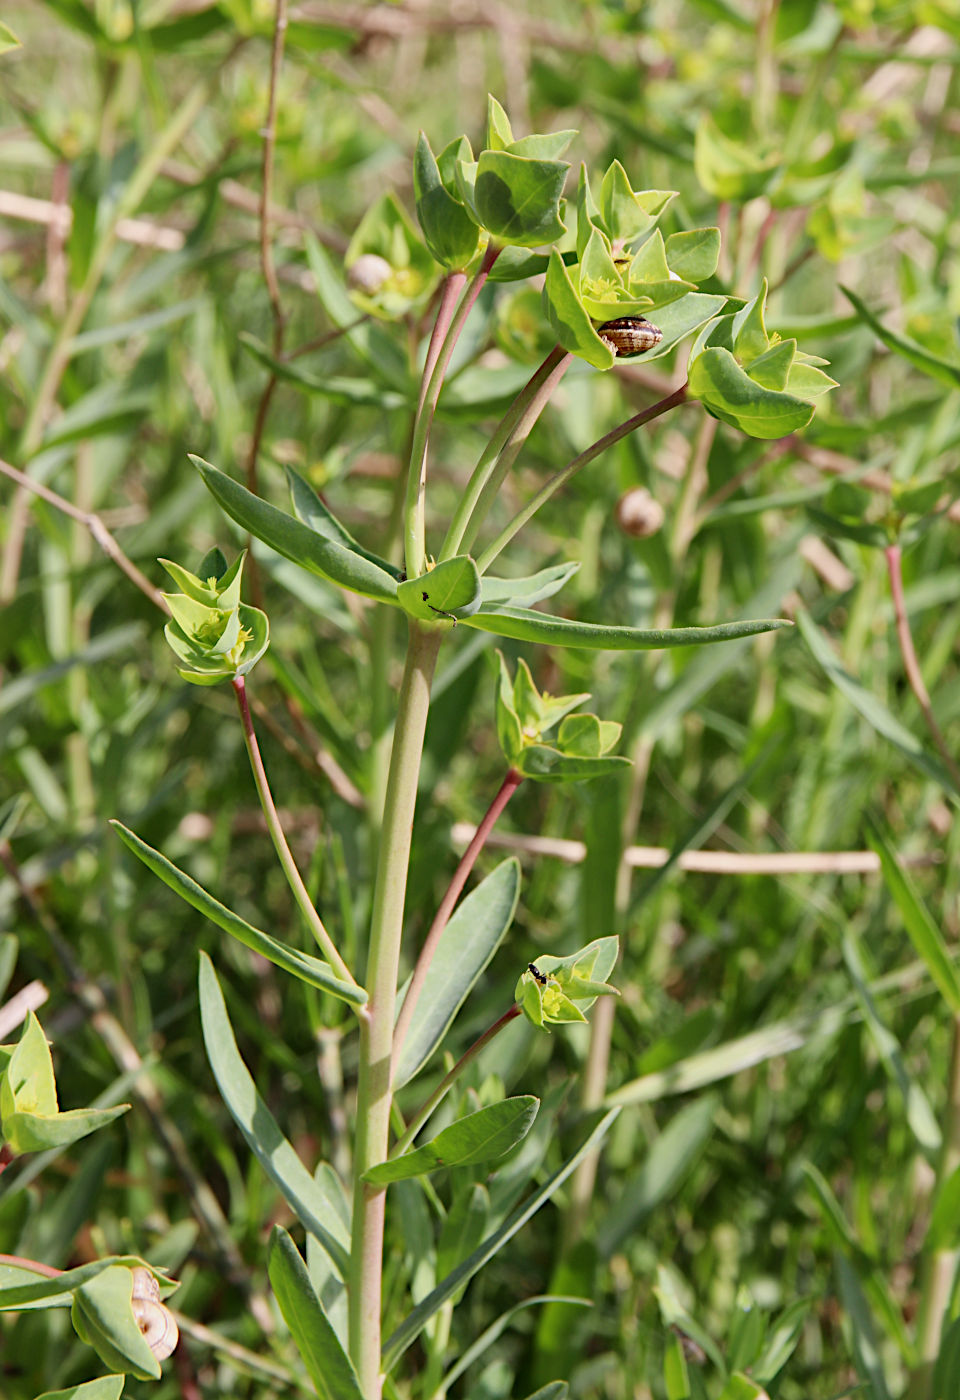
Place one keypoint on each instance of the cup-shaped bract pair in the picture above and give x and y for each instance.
(752, 379)
(215, 635)
(579, 750)
(555, 991)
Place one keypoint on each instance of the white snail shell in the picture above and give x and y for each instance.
(368, 273)
(156, 1322)
(639, 514)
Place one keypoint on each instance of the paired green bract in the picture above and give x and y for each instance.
(215, 635)
(581, 747)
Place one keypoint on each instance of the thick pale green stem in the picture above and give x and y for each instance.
(376, 1029)
(294, 880)
(414, 527)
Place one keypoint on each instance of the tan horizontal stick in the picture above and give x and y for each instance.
(14, 1012)
(701, 862)
(45, 211)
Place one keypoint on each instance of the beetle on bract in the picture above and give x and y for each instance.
(630, 335)
(537, 975)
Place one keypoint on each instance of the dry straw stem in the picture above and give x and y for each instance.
(699, 862)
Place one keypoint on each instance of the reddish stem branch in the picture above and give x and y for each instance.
(911, 665)
(447, 905)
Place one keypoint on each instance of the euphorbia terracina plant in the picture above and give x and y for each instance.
(483, 218)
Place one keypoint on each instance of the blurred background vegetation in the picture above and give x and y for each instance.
(134, 313)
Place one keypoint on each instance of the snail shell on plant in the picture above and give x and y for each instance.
(156, 1322)
(630, 335)
(639, 514)
(368, 273)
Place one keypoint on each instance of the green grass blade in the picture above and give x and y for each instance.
(867, 704)
(411, 1327)
(918, 921)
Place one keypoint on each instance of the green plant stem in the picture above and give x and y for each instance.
(911, 665)
(62, 348)
(447, 1083)
(376, 1029)
(501, 452)
(940, 1265)
(442, 917)
(414, 526)
(560, 478)
(274, 826)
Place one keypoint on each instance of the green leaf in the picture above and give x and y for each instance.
(102, 1316)
(941, 370)
(8, 41)
(872, 709)
(741, 1387)
(30, 1117)
(499, 130)
(103, 1388)
(328, 1365)
(676, 1379)
(411, 1327)
(532, 589)
(294, 540)
(452, 589)
(555, 1390)
(943, 1232)
(369, 391)
(448, 230)
(781, 1342)
(530, 626)
(728, 392)
(543, 145)
(479, 1137)
(518, 199)
(919, 1114)
(22, 1290)
(569, 319)
(946, 1370)
(463, 1228)
(862, 1269)
(730, 170)
(304, 1194)
(545, 764)
(621, 210)
(671, 1158)
(470, 939)
(867, 1353)
(314, 971)
(925, 935)
(694, 255)
(308, 507)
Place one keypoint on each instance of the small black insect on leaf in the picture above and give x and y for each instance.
(537, 975)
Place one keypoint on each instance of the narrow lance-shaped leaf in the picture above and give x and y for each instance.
(479, 1137)
(527, 625)
(466, 946)
(311, 970)
(916, 355)
(302, 1192)
(327, 1363)
(294, 540)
